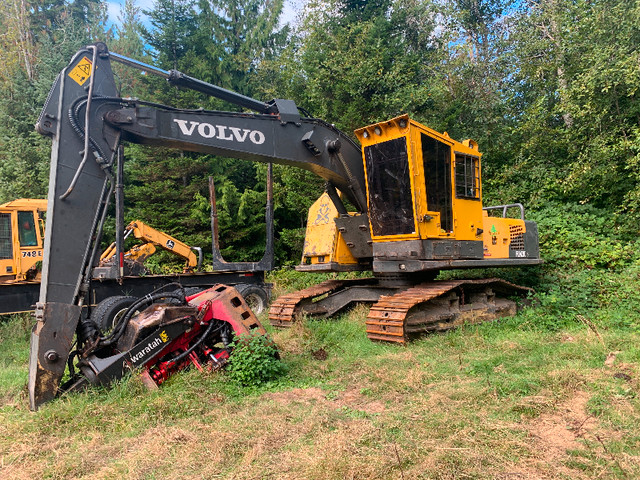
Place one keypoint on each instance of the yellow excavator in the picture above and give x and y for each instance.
(21, 239)
(424, 203)
(134, 258)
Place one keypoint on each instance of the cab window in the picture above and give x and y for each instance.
(467, 170)
(6, 250)
(437, 172)
(390, 199)
(27, 230)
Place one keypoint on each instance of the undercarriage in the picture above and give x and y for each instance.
(399, 312)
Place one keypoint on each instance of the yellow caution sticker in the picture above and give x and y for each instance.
(82, 71)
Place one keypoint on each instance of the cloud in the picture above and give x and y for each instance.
(113, 11)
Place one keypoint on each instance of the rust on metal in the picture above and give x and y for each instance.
(438, 306)
(428, 307)
(284, 310)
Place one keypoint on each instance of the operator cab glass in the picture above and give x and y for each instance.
(390, 199)
(6, 247)
(467, 168)
(27, 230)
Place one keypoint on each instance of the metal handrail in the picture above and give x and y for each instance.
(505, 207)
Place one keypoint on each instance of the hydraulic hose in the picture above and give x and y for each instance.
(87, 117)
(74, 112)
(188, 351)
(119, 329)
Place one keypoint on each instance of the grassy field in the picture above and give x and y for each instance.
(510, 399)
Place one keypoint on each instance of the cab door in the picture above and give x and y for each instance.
(436, 157)
(30, 242)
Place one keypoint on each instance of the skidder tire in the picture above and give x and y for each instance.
(192, 291)
(110, 310)
(187, 292)
(255, 296)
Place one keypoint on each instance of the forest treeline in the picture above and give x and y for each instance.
(548, 88)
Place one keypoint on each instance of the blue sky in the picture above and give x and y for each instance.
(113, 8)
(291, 9)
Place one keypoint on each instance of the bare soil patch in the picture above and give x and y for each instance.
(557, 432)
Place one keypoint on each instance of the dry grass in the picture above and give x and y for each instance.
(485, 403)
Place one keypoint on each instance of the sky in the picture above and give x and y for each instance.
(291, 9)
(113, 9)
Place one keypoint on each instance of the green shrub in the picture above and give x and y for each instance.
(254, 359)
(582, 236)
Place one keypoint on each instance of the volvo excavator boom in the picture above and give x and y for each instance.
(417, 195)
(87, 121)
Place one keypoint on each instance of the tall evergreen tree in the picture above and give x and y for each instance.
(38, 37)
(128, 41)
(223, 43)
(360, 62)
(238, 36)
(173, 28)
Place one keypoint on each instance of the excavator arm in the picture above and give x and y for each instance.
(150, 237)
(87, 121)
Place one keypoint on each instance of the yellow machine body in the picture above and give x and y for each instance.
(424, 194)
(501, 236)
(323, 243)
(21, 239)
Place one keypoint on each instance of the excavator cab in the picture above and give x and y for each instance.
(423, 190)
(425, 213)
(21, 239)
(424, 194)
(409, 175)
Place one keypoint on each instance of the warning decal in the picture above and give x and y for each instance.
(82, 71)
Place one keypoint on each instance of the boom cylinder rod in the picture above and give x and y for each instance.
(139, 65)
(179, 79)
(120, 213)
